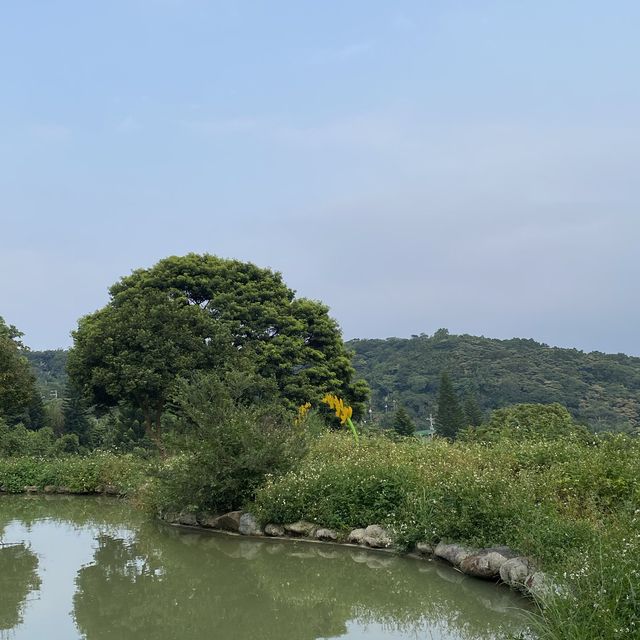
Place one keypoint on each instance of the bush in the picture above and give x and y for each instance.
(223, 449)
(527, 422)
(19, 441)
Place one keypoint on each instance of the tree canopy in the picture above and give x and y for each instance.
(205, 313)
(19, 397)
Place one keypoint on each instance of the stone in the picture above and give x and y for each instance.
(377, 537)
(188, 519)
(110, 490)
(453, 553)
(326, 534)
(274, 530)
(540, 586)
(31, 489)
(425, 549)
(301, 528)
(50, 488)
(356, 536)
(249, 526)
(226, 522)
(514, 571)
(486, 563)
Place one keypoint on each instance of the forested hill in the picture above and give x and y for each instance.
(599, 389)
(49, 368)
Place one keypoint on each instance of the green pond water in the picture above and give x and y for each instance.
(96, 568)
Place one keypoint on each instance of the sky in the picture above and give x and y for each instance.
(473, 165)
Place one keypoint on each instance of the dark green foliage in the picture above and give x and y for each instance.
(121, 429)
(20, 400)
(449, 415)
(18, 577)
(203, 313)
(225, 446)
(600, 390)
(402, 423)
(472, 412)
(76, 414)
(133, 350)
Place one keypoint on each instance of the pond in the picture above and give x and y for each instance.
(96, 568)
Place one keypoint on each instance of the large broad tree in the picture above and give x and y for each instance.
(202, 312)
(20, 400)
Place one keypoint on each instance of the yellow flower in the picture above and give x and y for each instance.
(343, 412)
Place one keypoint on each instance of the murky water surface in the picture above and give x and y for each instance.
(96, 568)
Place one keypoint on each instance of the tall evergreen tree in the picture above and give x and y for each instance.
(402, 423)
(472, 412)
(76, 414)
(449, 415)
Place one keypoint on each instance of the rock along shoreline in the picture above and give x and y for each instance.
(497, 564)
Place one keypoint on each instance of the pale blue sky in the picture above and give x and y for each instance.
(467, 164)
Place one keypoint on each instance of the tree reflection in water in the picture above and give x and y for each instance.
(196, 585)
(148, 580)
(18, 578)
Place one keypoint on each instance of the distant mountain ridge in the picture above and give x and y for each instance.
(601, 390)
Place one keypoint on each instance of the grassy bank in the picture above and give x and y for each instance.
(570, 503)
(121, 474)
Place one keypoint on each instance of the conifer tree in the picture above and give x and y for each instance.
(76, 414)
(472, 412)
(403, 424)
(449, 415)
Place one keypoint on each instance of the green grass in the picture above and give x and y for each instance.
(77, 474)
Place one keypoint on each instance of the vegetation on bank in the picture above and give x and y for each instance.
(99, 472)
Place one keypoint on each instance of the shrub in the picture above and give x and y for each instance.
(224, 449)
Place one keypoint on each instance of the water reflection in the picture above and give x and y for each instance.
(142, 579)
(18, 578)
